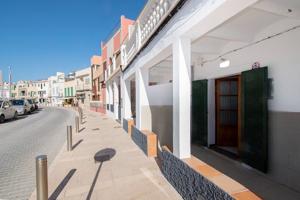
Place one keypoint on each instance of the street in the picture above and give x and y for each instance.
(43, 132)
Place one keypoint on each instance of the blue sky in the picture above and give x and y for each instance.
(40, 37)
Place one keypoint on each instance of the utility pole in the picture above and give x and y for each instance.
(1, 84)
(9, 78)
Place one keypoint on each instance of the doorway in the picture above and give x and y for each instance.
(227, 99)
(238, 116)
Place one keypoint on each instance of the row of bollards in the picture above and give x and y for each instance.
(42, 165)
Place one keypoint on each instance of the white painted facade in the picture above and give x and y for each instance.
(4, 90)
(172, 40)
(197, 37)
(56, 89)
(42, 90)
(112, 97)
(83, 87)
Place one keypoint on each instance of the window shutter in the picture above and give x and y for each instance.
(199, 112)
(254, 134)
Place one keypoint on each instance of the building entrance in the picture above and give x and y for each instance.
(227, 98)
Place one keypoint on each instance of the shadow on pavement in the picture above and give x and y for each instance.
(35, 111)
(12, 120)
(62, 185)
(75, 145)
(101, 156)
(81, 129)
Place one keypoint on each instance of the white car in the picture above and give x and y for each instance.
(21, 105)
(7, 111)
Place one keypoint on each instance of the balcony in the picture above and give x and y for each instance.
(149, 20)
(83, 87)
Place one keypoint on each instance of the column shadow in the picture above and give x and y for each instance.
(81, 129)
(62, 185)
(75, 145)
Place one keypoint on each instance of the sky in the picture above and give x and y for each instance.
(40, 37)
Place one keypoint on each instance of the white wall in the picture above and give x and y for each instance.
(280, 54)
(160, 94)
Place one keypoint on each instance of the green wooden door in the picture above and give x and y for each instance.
(254, 134)
(199, 112)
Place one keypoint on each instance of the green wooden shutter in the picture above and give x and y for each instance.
(254, 134)
(199, 112)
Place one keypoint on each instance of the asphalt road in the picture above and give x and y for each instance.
(43, 132)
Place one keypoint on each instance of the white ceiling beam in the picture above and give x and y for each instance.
(284, 10)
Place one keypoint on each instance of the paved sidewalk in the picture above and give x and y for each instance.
(128, 175)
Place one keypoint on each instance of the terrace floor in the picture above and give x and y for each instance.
(255, 181)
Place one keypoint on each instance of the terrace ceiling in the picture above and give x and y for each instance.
(245, 27)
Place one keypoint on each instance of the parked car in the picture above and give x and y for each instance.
(21, 105)
(7, 111)
(36, 104)
(32, 104)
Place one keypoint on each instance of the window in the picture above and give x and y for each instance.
(18, 102)
(87, 80)
(5, 104)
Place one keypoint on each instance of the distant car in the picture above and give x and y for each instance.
(32, 104)
(21, 105)
(7, 111)
(36, 105)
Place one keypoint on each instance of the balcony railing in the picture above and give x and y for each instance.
(151, 17)
(83, 87)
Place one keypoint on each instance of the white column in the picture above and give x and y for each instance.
(114, 63)
(141, 98)
(116, 99)
(181, 97)
(110, 95)
(106, 95)
(126, 111)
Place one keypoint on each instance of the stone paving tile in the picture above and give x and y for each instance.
(128, 175)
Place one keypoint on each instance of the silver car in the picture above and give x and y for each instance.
(7, 111)
(21, 105)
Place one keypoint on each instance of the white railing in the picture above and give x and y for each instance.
(151, 17)
(131, 44)
(83, 87)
